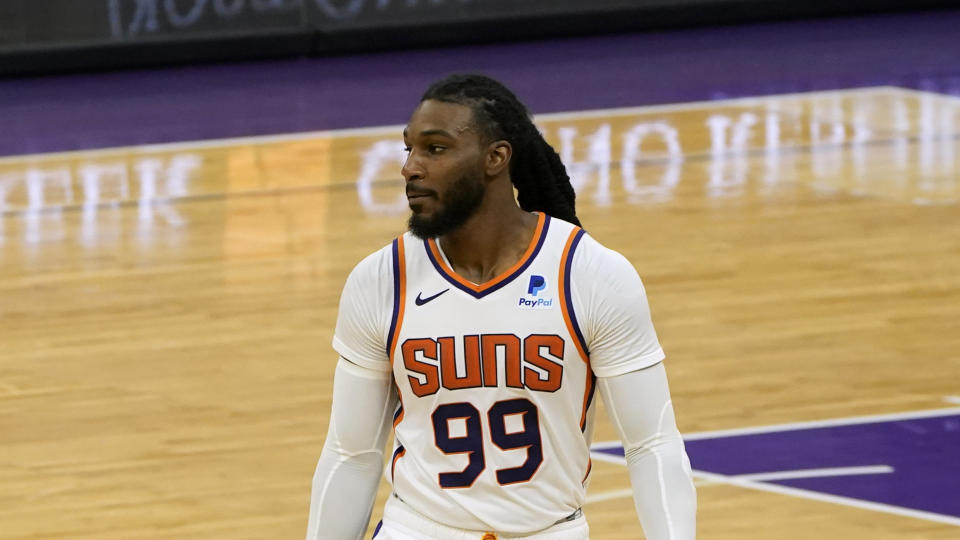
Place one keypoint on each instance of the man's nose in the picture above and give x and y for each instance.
(411, 169)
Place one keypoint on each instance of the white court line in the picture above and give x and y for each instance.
(397, 129)
(945, 97)
(603, 456)
(816, 473)
(790, 426)
(610, 495)
(688, 105)
(704, 478)
(835, 499)
(952, 399)
(778, 475)
(847, 421)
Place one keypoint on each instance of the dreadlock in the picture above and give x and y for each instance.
(535, 168)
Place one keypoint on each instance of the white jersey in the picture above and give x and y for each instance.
(496, 381)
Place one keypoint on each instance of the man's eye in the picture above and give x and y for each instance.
(407, 149)
(436, 148)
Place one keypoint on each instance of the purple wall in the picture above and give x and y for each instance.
(203, 102)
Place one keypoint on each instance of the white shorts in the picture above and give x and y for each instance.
(400, 522)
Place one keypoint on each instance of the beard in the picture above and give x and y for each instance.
(462, 199)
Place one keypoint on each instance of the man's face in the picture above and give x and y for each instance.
(444, 170)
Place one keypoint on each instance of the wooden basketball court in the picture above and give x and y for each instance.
(167, 311)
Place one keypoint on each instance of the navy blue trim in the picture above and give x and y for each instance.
(393, 460)
(375, 531)
(397, 413)
(502, 283)
(567, 264)
(593, 389)
(396, 295)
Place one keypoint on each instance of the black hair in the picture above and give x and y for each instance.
(535, 168)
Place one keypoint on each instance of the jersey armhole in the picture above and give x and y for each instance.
(566, 294)
(399, 295)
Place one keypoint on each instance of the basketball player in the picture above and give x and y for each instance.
(480, 337)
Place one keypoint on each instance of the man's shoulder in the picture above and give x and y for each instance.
(377, 265)
(588, 253)
(592, 253)
(600, 266)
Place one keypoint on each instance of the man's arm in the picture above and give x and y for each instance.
(348, 471)
(639, 405)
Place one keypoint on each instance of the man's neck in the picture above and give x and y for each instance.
(490, 242)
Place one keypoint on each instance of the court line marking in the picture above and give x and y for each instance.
(823, 497)
(780, 475)
(952, 399)
(776, 475)
(611, 495)
(742, 101)
(396, 129)
(706, 478)
(816, 473)
(605, 457)
(946, 97)
(790, 426)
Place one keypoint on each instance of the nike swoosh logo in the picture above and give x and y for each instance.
(421, 301)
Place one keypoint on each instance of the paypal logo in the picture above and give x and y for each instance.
(537, 284)
(539, 303)
(533, 300)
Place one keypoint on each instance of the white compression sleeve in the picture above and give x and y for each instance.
(348, 471)
(639, 405)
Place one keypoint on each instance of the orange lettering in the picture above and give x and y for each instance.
(428, 347)
(532, 347)
(511, 358)
(448, 363)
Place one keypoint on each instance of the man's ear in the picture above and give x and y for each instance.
(498, 157)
